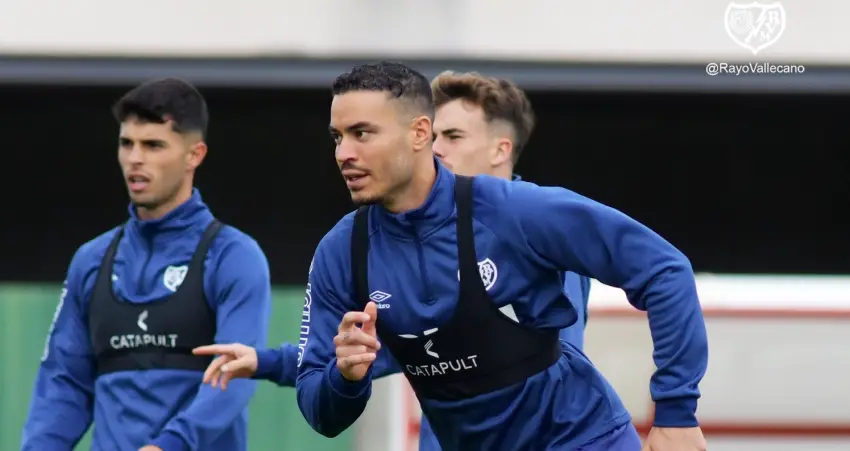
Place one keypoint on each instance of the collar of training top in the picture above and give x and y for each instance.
(187, 215)
(438, 207)
(516, 178)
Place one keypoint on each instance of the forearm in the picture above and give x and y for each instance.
(211, 413)
(52, 434)
(278, 365)
(681, 347)
(329, 402)
(60, 414)
(580, 235)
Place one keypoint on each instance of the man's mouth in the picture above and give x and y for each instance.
(137, 183)
(355, 179)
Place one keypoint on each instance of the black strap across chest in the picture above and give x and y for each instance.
(153, 335)
(479, 349)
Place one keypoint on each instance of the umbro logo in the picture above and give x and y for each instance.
(380, 298)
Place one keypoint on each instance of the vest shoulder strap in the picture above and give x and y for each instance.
(360, 255)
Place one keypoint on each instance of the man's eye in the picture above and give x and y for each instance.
(360, 134)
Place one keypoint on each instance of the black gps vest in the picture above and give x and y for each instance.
(479, 349)
(154, 335)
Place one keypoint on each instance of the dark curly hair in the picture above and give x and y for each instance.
(397, 80)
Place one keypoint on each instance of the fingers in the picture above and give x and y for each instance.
(357, 345)
(344, 363)
(348, 356)
(356, 337)
(242, 364)
(349, 334)
(214, 349)
(351, 319)
(210, 375)
(227, 369)
(225, 378)
(369, 326)
(345, 351)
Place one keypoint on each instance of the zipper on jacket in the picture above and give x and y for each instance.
(143, 274)
(423, 270)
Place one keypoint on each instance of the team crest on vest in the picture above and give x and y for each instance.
(488, 272)
(174, 276)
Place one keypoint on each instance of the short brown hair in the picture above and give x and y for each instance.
(499, 99)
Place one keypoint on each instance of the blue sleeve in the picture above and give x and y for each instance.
(585, 295)
(62, 399)
(329, 402)
(278, 365)
(584, 236)
(281, 365)
(240, 284)
(385, 364)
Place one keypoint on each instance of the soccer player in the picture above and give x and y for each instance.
(141, 296)
(425, 236)
(481, 127)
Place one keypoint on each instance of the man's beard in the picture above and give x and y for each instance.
(156, 202)
(149, 205)
(364, 201)
(384, 198)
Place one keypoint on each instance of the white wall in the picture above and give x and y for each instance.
(779, 365)
(619, 30)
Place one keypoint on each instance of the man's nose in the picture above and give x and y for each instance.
(136, 155)
(345, 152)
(437, 147)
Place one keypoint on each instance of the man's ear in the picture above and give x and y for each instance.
(195, 156)
(422, 131)
(504, 152)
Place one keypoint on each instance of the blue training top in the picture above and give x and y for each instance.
(167, 408)
(280, 365)
(531, 234)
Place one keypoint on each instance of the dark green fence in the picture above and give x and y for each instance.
(26, 310)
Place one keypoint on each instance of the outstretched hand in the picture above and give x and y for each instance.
(234, 361)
